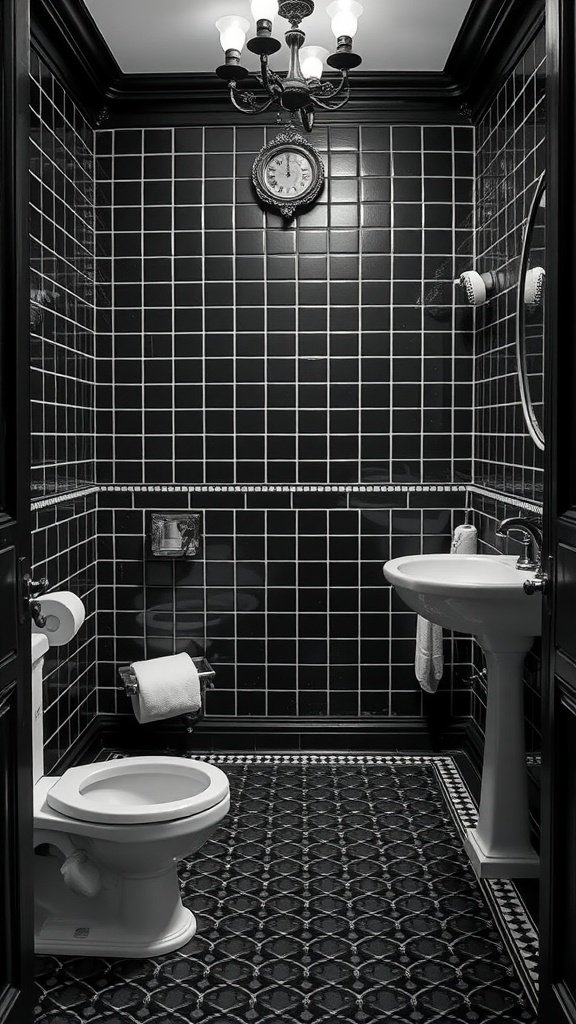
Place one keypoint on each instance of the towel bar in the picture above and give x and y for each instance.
(130, 682)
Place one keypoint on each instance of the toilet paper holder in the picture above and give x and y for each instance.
(205, 672)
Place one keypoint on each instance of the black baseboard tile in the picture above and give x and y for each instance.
(261, 734)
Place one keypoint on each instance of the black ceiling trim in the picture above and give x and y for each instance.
(69, 42)
(491, 39)
(156, 100)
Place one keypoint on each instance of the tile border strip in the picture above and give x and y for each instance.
(282, 488)
(507, 499)
(512, 918)
(59, 499)
(449, 488)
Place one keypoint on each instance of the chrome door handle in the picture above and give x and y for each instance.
(34, 589)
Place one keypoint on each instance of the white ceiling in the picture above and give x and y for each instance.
(176, 36)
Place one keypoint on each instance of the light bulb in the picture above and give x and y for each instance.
(232, 31)
(344, 14)
(312, 61)
(264, 10)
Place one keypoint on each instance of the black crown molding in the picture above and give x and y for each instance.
(157, 100)
(492, 37)
(66, 38)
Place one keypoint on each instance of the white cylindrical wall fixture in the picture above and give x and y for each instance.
(478, 287)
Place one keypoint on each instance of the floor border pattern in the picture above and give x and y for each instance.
(514, 923)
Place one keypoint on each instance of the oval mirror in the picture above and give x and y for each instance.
(531, 315)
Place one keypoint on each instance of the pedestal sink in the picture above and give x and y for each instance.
(484, 595)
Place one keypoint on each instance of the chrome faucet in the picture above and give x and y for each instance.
(531, 531)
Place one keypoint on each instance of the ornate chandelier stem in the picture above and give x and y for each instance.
(301, 88)
(270, 80)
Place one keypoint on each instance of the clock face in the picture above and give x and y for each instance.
(289, 174)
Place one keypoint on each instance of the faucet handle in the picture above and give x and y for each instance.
(525, 560)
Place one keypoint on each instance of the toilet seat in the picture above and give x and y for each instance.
(136, 790)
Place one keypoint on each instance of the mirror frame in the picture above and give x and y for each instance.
(534, 428)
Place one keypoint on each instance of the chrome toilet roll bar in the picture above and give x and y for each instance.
(205, 672)
(203, 667)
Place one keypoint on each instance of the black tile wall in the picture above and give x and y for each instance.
(248, 350)
(62, 279)
(63, 397)
(64, 550)
(510, 159)
(288, 603)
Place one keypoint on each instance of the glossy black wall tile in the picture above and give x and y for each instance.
(288, 603)
(63, 391)
(64, 550)
(510, 159)
(243, 350)
(251, 350)
(63, 250)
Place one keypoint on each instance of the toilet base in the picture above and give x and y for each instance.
(110, 924)
(109, 939)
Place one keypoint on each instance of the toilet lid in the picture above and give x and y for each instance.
(135, 790)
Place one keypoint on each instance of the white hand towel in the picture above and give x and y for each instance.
(166, 687)
(429, 660)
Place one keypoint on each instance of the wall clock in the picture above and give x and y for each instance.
(288, 173)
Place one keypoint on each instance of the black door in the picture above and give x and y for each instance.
(558, 892)
(16, 935)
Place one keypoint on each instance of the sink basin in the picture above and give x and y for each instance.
(484, 595)
(481, 594)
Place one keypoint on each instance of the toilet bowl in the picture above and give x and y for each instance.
(107, 840)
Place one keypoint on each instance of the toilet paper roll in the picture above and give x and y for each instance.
(465, 540)
(64, 614)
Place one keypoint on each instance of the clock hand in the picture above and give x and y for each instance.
(288, 166)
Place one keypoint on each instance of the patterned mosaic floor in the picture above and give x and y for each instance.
(336, 891)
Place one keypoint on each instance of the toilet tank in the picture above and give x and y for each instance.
(39, 647)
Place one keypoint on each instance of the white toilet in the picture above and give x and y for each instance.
(107, 839)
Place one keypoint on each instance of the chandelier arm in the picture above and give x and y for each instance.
(331, 106)
(246, 102)
(325, 93)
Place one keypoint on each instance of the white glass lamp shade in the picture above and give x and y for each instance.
(344, 14)
(232, 31)
(312, 60)
(264, 10)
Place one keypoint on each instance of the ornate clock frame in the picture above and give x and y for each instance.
(288, 139)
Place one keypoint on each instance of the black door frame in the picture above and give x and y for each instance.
(16, 934)
(556, 1001)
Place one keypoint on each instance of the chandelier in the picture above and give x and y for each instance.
(300, 90)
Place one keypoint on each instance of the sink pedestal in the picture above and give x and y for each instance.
(499, 847)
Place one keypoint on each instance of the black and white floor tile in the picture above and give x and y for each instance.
(337, 890)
